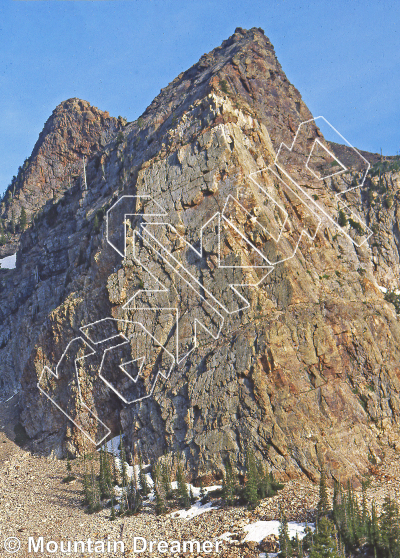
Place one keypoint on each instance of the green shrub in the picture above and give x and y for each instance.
(224, 86)
(356, 226)
(342, 220)
(394, 299)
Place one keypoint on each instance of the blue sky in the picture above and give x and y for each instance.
(343, 56)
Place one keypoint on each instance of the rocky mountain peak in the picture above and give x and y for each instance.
(74, 131)
(271, 331)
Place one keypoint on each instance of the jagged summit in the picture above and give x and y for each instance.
(74, 130)
(245, 67)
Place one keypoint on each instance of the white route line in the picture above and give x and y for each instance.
(57, 376)
(151, 242)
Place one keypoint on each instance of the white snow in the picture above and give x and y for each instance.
(9, 262)
(260, 529)
(112, 446)
(192, 512)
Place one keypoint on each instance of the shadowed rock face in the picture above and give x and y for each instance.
(303, 366)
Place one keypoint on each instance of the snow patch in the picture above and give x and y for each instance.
(260, 529)
(9, 262)
(382, 289)
(112, 446)
(195, 510)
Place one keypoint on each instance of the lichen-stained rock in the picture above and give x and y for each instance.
(298, 361)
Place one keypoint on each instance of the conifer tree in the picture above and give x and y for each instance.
(94, 492)
(323, 508)
(251, 484)
(159, 494)
(285, 545)
(134, 499)
(114, 467)
(160, 505)
(22, 220)
(86, 482)
(365, 518)
(183, 493)
(229, 484)
(265, 489)
(105, 474)
(122, 457)
(299, 547)
(166, 480)
(325, 544)
(142, 478)
(70, 477)
(308, 539)
(389, 528)
(373, 533)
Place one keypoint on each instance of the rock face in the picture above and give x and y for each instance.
(268, 331)
(74, 132)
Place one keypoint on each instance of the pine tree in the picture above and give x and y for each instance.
(134, 499)
(308, 539)
(365, 518)
(299, 547)
(251, 484)
(183, 493)
(122, 457)
(325, 544)
(160, 506)
(105, 474)
(229, 484)
(23, 220)
(389, 528)
(323, 509)
(285, 545)
(142, 478)
(166, 480)
(373, 532)
(92, 491)
(95, 505)
(264, 488)
(159, 494)
(86, 488)
(86, 482)
(70, 477)
(114, 467)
